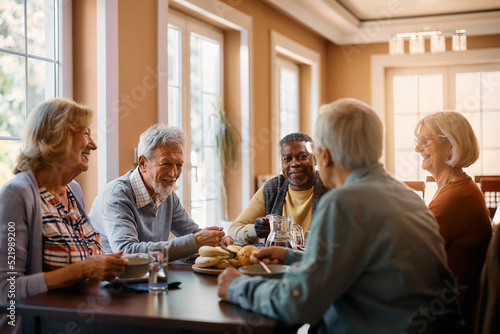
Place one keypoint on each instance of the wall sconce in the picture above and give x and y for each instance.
(417, 42)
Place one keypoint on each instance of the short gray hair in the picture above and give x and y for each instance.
(296, 136)
(159, 134)
(351, 131)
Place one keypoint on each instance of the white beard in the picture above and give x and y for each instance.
(163, 190)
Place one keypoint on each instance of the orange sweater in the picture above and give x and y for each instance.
(464, 223)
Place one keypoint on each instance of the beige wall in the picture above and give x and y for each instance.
(345, 72)
(137, 72)
(85, 80)
(265, 19)
(232, 97)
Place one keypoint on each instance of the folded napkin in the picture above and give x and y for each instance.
(136, 287)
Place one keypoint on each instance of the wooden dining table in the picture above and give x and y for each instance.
(193, 307)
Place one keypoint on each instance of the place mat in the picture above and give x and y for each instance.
(136, 287)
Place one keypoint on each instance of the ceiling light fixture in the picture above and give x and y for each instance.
(438, 43)
(459, 41)
(417, 42)
(396, 45)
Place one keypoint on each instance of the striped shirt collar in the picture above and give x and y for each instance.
(141, 192)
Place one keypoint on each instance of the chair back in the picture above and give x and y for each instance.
(490, 186)
(417, 186)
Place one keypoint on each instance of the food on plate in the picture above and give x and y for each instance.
(218, 257)
(206, 261)
(244, 255)
(234, 248)
(214, 251)
(222, 257)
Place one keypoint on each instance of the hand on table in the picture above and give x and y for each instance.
(227, 240)
(272, 255)
(209, 236)
(224, 280)
(104, 267)
(262, 227)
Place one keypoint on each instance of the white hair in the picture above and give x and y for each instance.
(351, 131)
(159, 134)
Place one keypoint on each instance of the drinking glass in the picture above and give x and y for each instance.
(158, 269)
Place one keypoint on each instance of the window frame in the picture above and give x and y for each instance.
(62, 59)
(229, 18)
(282, 62)
(188, 25)
(380, 64)
(282, 46)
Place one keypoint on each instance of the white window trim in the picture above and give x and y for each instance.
(234, 19)
(65, 88)
(281, 44)
(107, 92)
(379, 63)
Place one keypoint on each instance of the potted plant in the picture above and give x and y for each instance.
(226, 135)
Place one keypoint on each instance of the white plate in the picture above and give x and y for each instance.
(277, 270)
(208, 270)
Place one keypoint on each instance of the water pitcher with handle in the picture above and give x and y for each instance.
(283, 232)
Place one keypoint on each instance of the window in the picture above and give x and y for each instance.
(295, 91)
(415, 96)
(289, 96)
(477, 97)
(29, 68)
(473, 90)
(194, 90)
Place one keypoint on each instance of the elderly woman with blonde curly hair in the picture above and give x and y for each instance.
(42, 209)
(447, 144)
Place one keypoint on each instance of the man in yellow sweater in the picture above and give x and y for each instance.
(296, 193)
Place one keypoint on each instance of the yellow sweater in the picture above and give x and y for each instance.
(298, 204)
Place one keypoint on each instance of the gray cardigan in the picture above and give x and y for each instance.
(20, 209)
(125, 226)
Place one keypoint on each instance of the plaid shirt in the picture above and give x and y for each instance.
(141, 193)
(67, 235)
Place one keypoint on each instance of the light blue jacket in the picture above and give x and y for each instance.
(375, 263)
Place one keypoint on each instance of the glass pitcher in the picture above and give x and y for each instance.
(284, 232)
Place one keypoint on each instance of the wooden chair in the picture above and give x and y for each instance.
(490, 186)
(417, 186)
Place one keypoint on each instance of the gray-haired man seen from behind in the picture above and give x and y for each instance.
(140, 208)
(374, 263)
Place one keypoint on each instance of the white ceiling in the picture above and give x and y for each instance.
(377, 9)
(371, 21)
